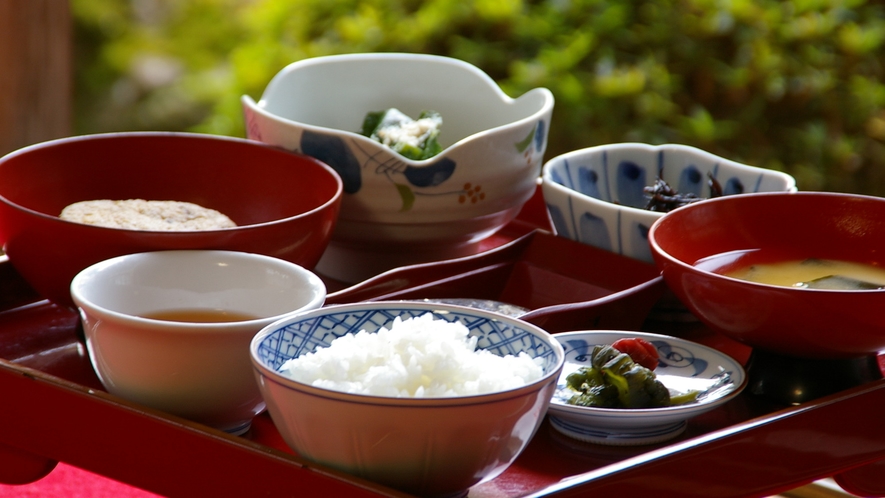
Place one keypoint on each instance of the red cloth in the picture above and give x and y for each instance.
(71, 482)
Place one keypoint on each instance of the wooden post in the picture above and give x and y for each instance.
(35, 72)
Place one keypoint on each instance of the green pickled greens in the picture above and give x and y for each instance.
(614, 380)
(415, 139)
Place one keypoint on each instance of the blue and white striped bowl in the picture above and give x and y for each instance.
(595, 195)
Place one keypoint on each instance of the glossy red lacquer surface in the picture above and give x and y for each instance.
(566, 285)
(55, 410)
(785, 226)
(285, 205)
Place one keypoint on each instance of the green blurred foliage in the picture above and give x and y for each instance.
(792, 85)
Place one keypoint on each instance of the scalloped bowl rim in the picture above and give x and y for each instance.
(550, 182)
(261, 106)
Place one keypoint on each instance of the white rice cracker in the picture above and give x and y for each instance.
(139, 214)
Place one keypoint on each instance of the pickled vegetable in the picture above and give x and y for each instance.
(594, 390)
(684, 398)
(614, 380)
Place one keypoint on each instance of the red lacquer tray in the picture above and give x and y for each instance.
(54, 409)
(565, 285)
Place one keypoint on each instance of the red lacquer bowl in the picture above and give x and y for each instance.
(789, 321)
(284, 204)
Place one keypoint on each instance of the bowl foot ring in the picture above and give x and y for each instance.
(633, 438)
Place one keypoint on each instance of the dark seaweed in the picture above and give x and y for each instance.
(664, 198)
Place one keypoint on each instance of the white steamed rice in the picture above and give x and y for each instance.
(417, 357)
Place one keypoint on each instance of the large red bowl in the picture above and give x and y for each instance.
(284, 204)
(789, 321)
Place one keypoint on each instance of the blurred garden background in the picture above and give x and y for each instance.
(795, 85)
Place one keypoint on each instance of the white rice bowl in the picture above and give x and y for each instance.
(416, 357)
(430, 445)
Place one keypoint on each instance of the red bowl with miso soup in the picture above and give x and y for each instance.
(813, 270)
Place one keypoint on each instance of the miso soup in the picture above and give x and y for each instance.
(813, 274)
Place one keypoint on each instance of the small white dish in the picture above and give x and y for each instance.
(683, 366)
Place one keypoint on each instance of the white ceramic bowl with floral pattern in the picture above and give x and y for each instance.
(596, 195)
(397, 211)
(430, 446)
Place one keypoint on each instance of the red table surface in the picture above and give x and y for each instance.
(54, 409)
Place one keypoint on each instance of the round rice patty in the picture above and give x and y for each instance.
(139, 214)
